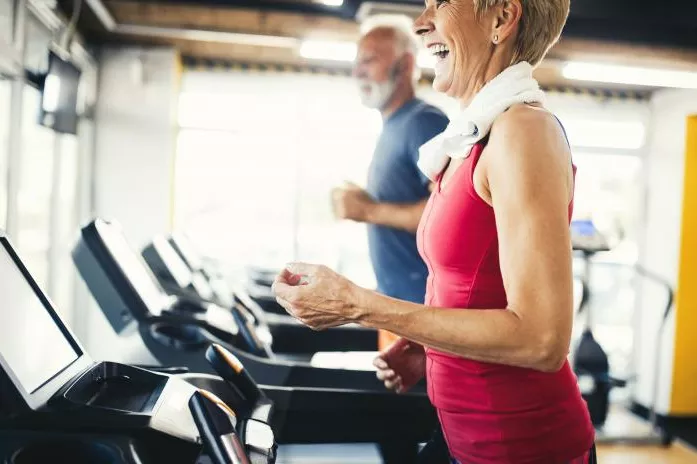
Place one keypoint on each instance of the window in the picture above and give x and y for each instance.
(257, 158)
(33, 221)
(64, 222)
(35, 188)
(5, 91)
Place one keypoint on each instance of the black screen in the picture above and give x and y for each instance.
(59, 96)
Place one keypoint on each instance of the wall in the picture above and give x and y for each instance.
(134, 151)
(135, 143)
(661, 249)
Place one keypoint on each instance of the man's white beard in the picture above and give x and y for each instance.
(379, 94)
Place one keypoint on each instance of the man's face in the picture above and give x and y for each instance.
(374, 66)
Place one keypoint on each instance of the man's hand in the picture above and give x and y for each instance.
(352, 202)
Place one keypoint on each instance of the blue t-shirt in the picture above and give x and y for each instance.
(394, 177)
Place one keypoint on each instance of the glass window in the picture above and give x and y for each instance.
(256, 162)
(36, 169)
(64, 224)
(34, 197)
(5, 92)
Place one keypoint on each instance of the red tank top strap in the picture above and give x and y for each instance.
(471, 164)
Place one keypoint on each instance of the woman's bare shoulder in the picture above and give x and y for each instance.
(529, 131)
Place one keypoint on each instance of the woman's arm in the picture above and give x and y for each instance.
(527, 179)
(528, 182)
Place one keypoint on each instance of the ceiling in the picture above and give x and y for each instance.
(651, 33)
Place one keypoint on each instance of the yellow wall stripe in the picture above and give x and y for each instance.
(684, 391)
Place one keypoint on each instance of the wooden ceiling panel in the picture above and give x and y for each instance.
(297, 25)
(234, 20)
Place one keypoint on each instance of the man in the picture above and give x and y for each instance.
(397, 190)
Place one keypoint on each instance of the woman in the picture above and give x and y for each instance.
(493, 336)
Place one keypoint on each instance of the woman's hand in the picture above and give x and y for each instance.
(402, 365)
(316, 296)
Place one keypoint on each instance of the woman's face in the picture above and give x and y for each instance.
(461, 43)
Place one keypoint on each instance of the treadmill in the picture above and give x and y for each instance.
(315, 405)
(258, 287)
(57, 404)
(290, 338)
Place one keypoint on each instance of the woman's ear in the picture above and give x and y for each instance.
(506, 19)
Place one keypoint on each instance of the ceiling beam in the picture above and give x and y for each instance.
(289, 6)
(251, 21)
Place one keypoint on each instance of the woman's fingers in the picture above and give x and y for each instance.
(380, 363)
(390, 378)
(395, 384)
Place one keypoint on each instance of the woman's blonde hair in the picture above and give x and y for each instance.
(540, 26)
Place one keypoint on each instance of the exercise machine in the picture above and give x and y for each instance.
(290, 337)
(57, 404)
(590, 361)
(314, 404)
(258, 285)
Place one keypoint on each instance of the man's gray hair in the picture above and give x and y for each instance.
(405, 39)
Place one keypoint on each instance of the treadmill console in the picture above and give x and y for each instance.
(585, 237)
(171, 268)
(44, 368)
(38, 353)
(185, 249)
(117, 277)
(164, 261)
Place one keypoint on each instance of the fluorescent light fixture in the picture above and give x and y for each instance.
(321, 50)
(346, 51)
(331, 2)
(597, 72)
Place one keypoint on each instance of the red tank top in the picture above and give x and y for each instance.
(490, 413)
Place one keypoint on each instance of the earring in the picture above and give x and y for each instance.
(496, 39)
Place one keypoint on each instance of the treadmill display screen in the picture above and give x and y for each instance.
(187, 251)
(134, 269)
(176, 266)
(32, 344)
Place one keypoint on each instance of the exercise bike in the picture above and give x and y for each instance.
(590, 361)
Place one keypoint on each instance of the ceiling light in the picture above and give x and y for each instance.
(331, 2)
(321, 50)
(630, 75)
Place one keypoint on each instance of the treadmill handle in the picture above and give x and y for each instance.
(165, 369)
(232, 371)
(217, 429)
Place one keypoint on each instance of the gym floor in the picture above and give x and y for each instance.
(678, 453)
(682, 451)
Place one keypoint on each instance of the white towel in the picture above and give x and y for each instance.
(514, 84)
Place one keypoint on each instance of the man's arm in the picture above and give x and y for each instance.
(423, 128)
(404, 216)
(354, 203)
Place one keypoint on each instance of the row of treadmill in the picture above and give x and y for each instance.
(234, 378)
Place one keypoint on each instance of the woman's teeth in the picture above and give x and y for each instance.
(439, 50)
